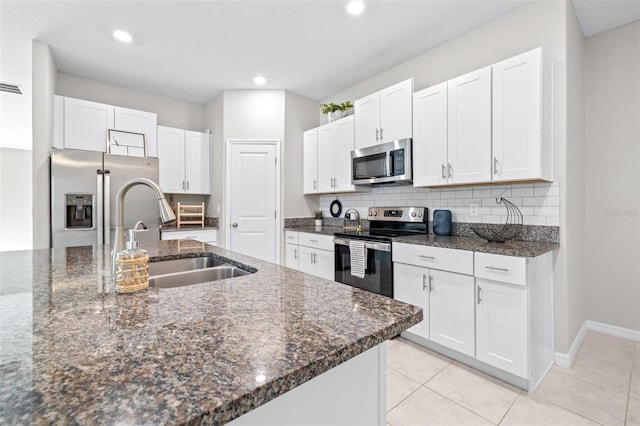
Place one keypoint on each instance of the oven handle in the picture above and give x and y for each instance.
(368, 244)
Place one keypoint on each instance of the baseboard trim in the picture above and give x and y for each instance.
(566, 360)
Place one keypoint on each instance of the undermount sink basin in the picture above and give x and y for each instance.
(181, 272)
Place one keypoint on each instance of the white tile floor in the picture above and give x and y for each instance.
(602, 387)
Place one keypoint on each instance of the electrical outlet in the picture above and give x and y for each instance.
(473, 209)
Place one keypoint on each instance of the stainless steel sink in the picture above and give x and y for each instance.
(183, 265)
(181, 272)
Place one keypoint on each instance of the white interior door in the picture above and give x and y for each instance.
(252, 197)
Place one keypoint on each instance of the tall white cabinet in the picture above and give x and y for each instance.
(384, 116)
(184, 161)
(430, 140)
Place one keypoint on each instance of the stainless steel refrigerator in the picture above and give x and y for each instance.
(84, 185)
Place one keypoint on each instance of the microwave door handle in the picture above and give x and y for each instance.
(389, 164)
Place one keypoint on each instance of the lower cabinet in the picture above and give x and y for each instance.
(500, 319)
(310, 253)
(209, 236)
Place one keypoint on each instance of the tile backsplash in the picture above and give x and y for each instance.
(538, 202)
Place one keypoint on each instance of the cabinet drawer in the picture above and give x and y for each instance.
(291, 237)
(460, 261)
(207, 235)
(508, 269)
(324, 242)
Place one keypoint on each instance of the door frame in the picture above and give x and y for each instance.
(227, 193)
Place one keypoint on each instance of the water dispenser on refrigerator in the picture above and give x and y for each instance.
(79, 211)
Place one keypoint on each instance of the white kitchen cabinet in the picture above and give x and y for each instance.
(430, 136)
(314, 255)
(209, 236)
(452, 313)
(310, 162)
(469, 128)
(411, 286)
(327, 157)
(132, 120)
(501, 326)
(183, 160)
(85, 124)
(522, 141)
(449, 298)
(384, 116)
(335, 143)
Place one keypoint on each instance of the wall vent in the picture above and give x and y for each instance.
(10, 88)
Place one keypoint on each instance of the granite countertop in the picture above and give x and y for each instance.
(509, 248)
(73, 352)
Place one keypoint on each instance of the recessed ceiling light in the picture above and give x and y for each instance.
(122, 36)
(258, 79)
(355, 7)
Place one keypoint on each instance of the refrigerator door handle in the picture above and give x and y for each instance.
(99, 202)
(107, 207)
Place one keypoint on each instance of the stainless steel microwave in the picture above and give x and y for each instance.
(386, 163)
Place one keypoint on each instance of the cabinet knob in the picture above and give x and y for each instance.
(234, 225)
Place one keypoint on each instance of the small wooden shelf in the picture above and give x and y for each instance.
(188, 212)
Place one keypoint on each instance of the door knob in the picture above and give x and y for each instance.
(235, 225)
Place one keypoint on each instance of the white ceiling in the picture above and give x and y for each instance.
(192, 50)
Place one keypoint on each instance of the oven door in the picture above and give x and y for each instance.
(378, 276)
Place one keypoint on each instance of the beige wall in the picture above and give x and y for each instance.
(44, 86)
(612, 209)
(541, 23)
(15, 199)
(171, 112)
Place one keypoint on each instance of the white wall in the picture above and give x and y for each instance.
(15, 199)
(612, 209)
(540, 23)
(171, 112)
(44, 84)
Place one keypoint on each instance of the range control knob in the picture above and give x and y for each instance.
(413, 214)
(419, 214)
(374, 213)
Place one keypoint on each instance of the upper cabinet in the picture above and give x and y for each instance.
(80, 124)
(384, 116)
(490, 125)
(331, 159)
(132, 120)
(522, 140)
(183, 160)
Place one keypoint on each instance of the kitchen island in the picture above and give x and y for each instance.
(71, 351)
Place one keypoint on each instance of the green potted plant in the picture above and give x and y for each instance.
(318, 216)
(336, 111)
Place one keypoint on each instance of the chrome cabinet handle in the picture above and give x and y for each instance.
(234, 225)
(187, 185)
(495, 165)
(444, 172)
(495, 268)
(314, 241)
(295, 253)
(422, 256)
(424, 282)
(380, 133)
(478, 294)
(450, 170)
(430, 283)
(183, 185)
(315, 184)
(377, 137)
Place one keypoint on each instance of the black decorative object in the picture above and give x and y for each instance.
(335, 208)
(442, 222)
(508, 231)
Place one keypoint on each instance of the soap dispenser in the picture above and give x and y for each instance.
(132, 272)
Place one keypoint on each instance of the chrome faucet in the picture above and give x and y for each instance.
(166, 214)
(346, 215)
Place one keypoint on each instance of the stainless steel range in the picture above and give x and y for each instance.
(363, 259)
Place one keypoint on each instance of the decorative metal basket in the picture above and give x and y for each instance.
(508, 231)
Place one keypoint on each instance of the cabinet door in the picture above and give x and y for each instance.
(132, 120)
(306, 262)
(469, 139)
(292, 255)
(325, 158)
(501, 316)
(343, 137)
(367, 120)
(197, 162)
(325, 264)
(86, 124)
(452, 311)
(517, 136)
(171, 159)
(430, 136)
(310, 162)
(410, 285)
(396, 111)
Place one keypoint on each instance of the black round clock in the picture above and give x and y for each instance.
(335, 208)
